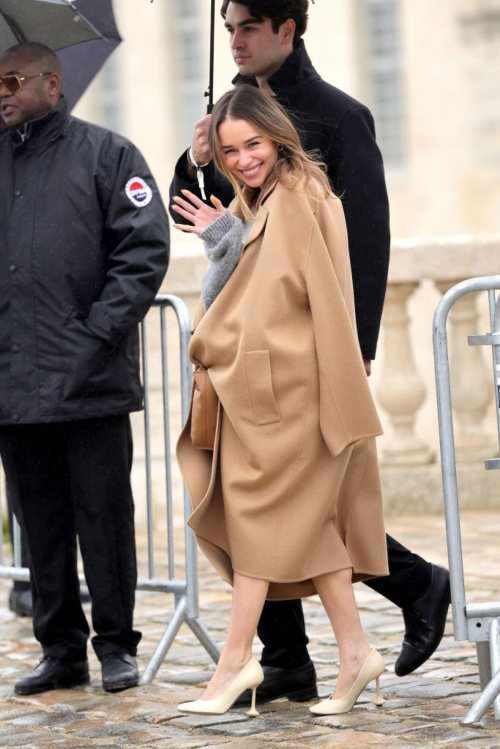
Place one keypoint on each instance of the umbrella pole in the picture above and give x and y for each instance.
(210, 92)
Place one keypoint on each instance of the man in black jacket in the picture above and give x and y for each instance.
(265, 37)
(84, 246)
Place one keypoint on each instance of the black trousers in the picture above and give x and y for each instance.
(67, 480)
(282, 628)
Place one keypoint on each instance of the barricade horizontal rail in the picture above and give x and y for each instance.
(186, 591)
(475, 622)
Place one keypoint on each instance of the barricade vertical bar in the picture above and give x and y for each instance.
(186, 380)
(496, 355)
(495, 658)
(484, 663)
(16, 542)
(147, 443)
(166, 432)
(187, 606)
(448, 465)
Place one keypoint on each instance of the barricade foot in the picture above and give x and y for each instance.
(486, 698)
(163, 646)
(203, 636)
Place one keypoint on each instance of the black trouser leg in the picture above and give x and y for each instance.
(409, 575)
(99, 454)
(282, 629)
(37, 475)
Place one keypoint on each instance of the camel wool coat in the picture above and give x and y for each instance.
(291, 490)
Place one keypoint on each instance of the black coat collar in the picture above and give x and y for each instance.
(44, 129)
(295, 71)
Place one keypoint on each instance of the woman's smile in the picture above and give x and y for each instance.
(253, 172)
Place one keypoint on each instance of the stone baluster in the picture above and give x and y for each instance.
(401, 391)
(472, 387)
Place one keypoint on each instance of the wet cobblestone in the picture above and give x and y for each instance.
(421, 710)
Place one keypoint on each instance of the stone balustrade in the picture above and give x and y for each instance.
(401, 391)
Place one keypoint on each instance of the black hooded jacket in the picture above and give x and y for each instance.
(84, 246)
(343, 131)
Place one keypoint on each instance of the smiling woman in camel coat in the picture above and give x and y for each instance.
(291, 490)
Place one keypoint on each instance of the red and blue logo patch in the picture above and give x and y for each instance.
(138, 192)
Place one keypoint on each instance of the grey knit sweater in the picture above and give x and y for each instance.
(223, 241)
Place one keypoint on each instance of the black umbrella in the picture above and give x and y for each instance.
(83, 47)
(56, 23)
(82, 62)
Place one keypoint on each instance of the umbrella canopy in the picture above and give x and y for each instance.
(82, 62)
(55, 23)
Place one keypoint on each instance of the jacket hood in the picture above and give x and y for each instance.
(297, 70)
(43, 129)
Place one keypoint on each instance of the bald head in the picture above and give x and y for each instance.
(39, 69)
(39, 55)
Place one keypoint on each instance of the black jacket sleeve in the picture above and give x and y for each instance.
(215, 184)
(356, 171)
(138, 246)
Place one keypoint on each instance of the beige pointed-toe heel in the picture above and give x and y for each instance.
(372, 668)
(250, 677)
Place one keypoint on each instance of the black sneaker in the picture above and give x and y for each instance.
(54, 673)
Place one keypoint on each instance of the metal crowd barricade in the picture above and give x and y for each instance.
(475, 622)
(185, 591)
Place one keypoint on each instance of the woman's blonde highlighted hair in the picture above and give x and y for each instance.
(270, 119)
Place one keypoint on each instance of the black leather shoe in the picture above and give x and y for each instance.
(21, 602)
(425, 621)
(54, 673)
(119, 671)
(298, 684)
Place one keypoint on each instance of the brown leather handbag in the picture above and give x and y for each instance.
(204, 410)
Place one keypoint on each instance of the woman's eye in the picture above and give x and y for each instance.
(256, 143)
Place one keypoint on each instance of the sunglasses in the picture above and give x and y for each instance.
(14, 83)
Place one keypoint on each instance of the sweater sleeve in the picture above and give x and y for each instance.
(222, 235)
(223, 242)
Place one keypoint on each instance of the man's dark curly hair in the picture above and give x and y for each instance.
(278, 11)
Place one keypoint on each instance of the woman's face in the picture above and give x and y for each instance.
(248, 154)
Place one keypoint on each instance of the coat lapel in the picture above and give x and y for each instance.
(258, 227)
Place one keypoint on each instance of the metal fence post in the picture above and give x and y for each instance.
(480, 622)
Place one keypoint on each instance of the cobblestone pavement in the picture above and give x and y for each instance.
(422, 709)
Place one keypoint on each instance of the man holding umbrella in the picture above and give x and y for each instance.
(84, 246)
(265, 38)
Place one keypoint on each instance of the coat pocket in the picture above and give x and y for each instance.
(260, 387)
